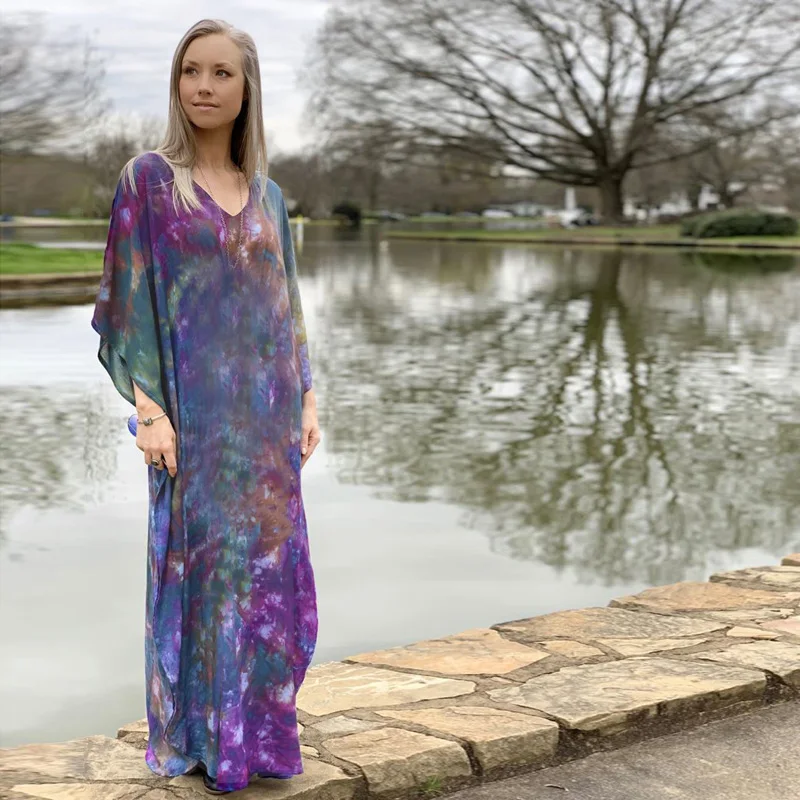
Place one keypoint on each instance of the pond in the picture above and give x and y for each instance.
(507, 431)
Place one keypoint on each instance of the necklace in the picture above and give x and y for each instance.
(222, 215)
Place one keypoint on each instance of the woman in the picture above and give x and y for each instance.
(201, 327)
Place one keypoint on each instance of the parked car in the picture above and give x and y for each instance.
(497, 213)
(578, 218)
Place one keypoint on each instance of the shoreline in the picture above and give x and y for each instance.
(432, 717)
(490, 237)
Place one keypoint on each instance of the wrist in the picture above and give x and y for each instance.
(150, 409)
(309, 398)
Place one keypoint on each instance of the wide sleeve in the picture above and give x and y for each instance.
(125, 310)
(290, 264)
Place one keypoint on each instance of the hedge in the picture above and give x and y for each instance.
(739, 222)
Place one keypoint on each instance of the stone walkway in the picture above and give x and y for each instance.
(438, 716)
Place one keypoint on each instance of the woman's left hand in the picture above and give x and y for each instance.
(311, 435)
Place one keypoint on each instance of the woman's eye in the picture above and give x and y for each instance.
(224, 70)
(187, 70)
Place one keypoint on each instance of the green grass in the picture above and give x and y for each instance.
(28, 259)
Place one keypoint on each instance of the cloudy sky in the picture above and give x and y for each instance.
(138, 38)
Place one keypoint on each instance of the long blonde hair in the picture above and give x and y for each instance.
(248, 142)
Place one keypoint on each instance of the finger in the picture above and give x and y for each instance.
(171, 462)
(304, 440)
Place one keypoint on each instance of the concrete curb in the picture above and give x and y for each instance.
(436, 716)
(17, 291)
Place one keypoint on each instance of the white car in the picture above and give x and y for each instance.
(497, 213)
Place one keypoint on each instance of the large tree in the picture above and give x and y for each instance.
(51, 87)
(574, 91)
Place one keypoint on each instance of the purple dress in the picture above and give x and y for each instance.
(231, 616)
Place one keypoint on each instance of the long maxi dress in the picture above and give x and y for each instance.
(231, 616)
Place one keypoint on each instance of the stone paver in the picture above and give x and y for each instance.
(792, 560)
(95, 791)
(139, 726)
(570, 649)
(498, 738)
(318, 781)
(749, 614)
(688, 596)
(780, 658)
(393, 759)
(604, 697)
(789, 625)
(740, 632)
(481, 651)
(94, 758)
(644, 647)
(339, 726)
(336, 686)
(135, 734)
(784, 578)
(593, 624)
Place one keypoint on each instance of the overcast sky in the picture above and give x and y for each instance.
(138, 38)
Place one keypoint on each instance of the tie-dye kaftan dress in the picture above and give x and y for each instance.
(231, 617)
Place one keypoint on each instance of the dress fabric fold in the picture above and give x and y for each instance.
(231, 615)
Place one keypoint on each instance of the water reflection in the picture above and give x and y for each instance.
(624, 414)
(57, 451)
(742, 263)
(619, 413)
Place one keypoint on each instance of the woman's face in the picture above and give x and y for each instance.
(212, 81)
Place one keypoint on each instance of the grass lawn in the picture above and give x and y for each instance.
(28, 259)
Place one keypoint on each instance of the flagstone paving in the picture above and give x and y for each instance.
(680, 597)
(440, 715)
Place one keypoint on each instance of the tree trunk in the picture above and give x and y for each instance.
(693, 192)
(726, 197)
(611, 200)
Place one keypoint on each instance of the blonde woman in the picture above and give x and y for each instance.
(201, 328)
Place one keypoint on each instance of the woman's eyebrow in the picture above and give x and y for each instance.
(189, 61)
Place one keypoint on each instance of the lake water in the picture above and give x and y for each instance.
(507, 431)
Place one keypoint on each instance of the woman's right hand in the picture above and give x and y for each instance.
(158, 440)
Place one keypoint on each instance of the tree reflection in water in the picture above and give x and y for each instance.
(625, 414)
(621, 413)
(58, 448)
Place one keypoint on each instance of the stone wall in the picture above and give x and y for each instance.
(434, 716)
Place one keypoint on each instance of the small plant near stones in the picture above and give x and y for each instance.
(432, 787)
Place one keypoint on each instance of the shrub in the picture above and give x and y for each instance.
(350, 211)
(739, 222)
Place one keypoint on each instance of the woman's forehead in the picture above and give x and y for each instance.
(214, 48)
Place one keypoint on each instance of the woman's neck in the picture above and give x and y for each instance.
(213, 148)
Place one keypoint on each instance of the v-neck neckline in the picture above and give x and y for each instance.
(215, 203)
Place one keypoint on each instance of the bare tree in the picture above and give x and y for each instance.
(50, 87)
(782, 149)
(121, 138)
(575, 92)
